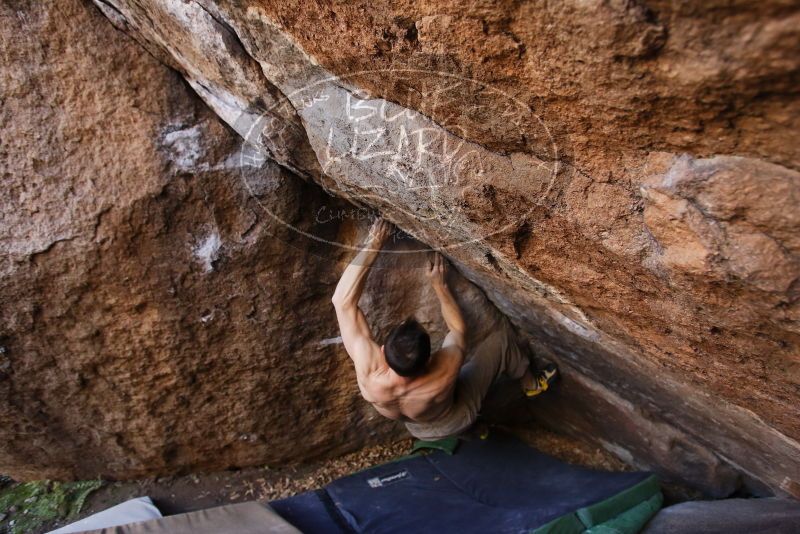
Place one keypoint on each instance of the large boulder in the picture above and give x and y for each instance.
(619, 177)
(161, 309)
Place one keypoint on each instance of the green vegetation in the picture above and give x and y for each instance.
(25, 507)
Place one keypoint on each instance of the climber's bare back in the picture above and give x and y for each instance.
(420, 399)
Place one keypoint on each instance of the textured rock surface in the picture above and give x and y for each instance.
(621, 179)
(156, 318)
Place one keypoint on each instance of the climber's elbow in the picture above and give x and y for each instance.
(340, 301)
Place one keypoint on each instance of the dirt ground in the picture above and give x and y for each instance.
(174, 495)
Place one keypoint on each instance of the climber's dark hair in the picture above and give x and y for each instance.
(408, 348)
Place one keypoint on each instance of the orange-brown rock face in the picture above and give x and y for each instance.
(620, 178)
(156, 316)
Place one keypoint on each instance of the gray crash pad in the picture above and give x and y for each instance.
(773, 516)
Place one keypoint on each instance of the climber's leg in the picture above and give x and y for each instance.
(498, 354)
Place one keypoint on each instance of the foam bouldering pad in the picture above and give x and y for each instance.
(448, 445)
(494, 485)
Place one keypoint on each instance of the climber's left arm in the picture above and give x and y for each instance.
(356, 335)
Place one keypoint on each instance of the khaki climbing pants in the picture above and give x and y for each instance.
(498, 354)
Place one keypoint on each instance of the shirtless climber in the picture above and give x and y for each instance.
(436, 394)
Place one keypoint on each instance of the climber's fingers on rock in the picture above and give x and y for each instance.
(431, 265)
(437, 266)
(386, 228)
(380, 229)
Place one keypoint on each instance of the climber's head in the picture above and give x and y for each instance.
(408, 348)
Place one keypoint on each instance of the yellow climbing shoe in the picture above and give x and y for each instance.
(544, 378)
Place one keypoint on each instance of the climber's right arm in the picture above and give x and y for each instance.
(356, 335)
(451, 313)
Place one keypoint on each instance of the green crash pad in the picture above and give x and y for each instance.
(624, 513)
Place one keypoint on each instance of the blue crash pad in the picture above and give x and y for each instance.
(495, 485)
